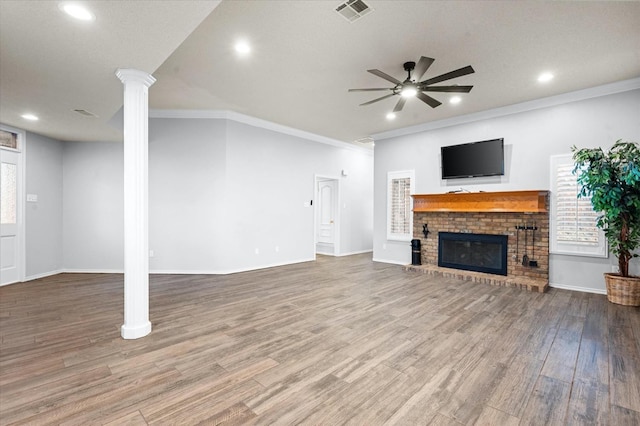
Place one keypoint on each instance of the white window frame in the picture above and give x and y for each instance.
(391, 176)
(565, 247)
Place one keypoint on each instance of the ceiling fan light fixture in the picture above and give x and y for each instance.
(414, 86)
(409, 90)
(391, 116)
(455, 100)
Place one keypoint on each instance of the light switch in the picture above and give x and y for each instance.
(32, 198)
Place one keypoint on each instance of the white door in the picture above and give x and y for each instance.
(327, 208)
(10, 216)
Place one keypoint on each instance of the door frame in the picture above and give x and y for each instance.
(21, 191)
(317, 178)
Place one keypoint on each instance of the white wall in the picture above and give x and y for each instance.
(218, 189)
(531, 137)
(43, 219)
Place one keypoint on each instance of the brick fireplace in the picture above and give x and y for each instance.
(521, 216)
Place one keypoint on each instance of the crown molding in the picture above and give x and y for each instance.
(255, 122)
(579, 95)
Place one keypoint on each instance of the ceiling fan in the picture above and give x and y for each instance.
(413, 87)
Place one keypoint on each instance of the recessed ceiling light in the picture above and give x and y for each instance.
(455, 100)
(30, 117)
(545, 77)
(243, 48)
(77, 11)
(391, 116)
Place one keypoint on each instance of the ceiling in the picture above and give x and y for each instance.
(305, 56)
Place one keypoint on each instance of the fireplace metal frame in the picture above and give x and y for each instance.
(502, 240)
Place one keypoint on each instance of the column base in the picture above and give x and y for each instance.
(135, 332)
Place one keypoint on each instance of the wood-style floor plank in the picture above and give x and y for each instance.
(336, 341)
(548, 403)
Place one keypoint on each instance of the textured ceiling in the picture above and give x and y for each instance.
(304, 58)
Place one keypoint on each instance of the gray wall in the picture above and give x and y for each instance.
(93, 222)
(531, 137)
(43, 219)
(270, 176)
(218, 189)
(187, 171)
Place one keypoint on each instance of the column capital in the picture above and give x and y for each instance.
(127, 75)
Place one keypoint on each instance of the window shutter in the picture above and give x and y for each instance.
(399, 205)
(573, 222)
(575, 216)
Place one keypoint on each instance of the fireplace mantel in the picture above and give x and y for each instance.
(535, 201)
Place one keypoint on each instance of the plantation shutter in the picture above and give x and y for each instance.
(575, 216)
(401, 205)
(400, 214)
(573, 221)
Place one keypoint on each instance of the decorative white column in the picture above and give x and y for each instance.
(136, 203)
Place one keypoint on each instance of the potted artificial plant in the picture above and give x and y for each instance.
(612, 180)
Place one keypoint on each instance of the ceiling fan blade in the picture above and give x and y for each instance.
(370, 90)
(400, 104)
(451, 89)
(385, 76)
(378, 99)
(423, 65)
(428, 100)
(452, 74)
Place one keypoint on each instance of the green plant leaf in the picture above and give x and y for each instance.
(612, 180)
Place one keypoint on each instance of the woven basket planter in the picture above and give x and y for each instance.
(623, 290)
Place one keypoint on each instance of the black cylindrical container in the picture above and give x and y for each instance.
(415, 252)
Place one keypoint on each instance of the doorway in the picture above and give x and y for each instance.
(11, 206)
(327, 228)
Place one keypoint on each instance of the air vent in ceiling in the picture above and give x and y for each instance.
(85, 113)
(353, 10)
(368, 140)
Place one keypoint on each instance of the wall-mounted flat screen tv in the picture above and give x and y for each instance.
(484, 158)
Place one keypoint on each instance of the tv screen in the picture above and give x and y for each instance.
(484, 158)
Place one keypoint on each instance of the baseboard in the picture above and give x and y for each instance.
(91, 271)
(64, 271)
(226, 271)
(42, 275)
(351, 253)
(577, 288)
(173, 271)
(395, 262)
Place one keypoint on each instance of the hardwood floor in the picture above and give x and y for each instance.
(336, 341)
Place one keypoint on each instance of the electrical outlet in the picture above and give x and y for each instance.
(277, 249)
(257, 250)
(384, 247)
(151, 253)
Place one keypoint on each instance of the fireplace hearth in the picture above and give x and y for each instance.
(473, 252)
